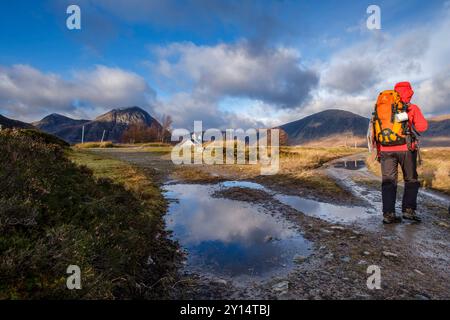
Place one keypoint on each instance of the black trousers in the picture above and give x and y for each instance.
(389, 169)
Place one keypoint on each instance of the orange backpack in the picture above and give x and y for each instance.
(387, 131)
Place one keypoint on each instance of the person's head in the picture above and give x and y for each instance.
(405, 90)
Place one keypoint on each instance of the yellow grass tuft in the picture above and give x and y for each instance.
(89, 145)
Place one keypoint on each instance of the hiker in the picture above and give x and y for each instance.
(395, 124)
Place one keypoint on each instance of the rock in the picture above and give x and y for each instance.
(361, 262)
(419, 272)
(443, 224)
(337, 228)
(389, 254)
(150, 261)
(345, 259)
(220, 281)
(326, 231)
(299, 258)
(366, 253)
(282, 286)
(329, 256)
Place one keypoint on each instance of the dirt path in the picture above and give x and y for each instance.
(345, 241)
(429, 239)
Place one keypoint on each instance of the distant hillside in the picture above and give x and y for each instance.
(10, 123)
(114, 122)
(438, 133)
(56, 122)
(329, 127)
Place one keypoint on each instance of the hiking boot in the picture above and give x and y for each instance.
(410, 214)
(390, 217)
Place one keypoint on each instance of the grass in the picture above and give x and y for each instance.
(89, 145)
(297, 171)
(434, 173)
(122, 173)
(99, 214)
(295, 159)
(153, 144)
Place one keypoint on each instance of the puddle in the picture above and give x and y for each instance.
(243, 184)
(243, 240)
(350, 164)
(228, 238)
(324, 211)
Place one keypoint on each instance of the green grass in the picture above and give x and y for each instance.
(99, 214)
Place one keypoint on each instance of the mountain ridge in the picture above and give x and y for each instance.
(344, 126)
(113, 123)
(11, 123)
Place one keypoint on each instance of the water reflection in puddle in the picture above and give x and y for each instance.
(229, 238)
(350, 164)
(237, 239)
(325, 211)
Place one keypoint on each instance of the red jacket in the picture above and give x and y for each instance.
(415, 116)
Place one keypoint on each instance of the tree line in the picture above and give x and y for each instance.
(140, 133)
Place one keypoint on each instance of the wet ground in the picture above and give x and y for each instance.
(247, 240)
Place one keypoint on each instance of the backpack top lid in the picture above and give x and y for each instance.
(388, 97)
(405, 91)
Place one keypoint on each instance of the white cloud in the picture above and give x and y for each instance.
(28, 93)
(200, 78)
(353, 77)
(271, 75)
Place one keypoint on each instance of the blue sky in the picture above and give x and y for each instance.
(229, 63)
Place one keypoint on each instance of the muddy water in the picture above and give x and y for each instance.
(228, 238)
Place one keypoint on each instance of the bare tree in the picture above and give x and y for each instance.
(166, 122)
(137, 133)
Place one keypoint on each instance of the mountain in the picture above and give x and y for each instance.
(114, 123)
(328, 128)
(55, 122)
(438, 133)
(10, 123)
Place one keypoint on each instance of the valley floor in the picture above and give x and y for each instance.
(330, 200)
